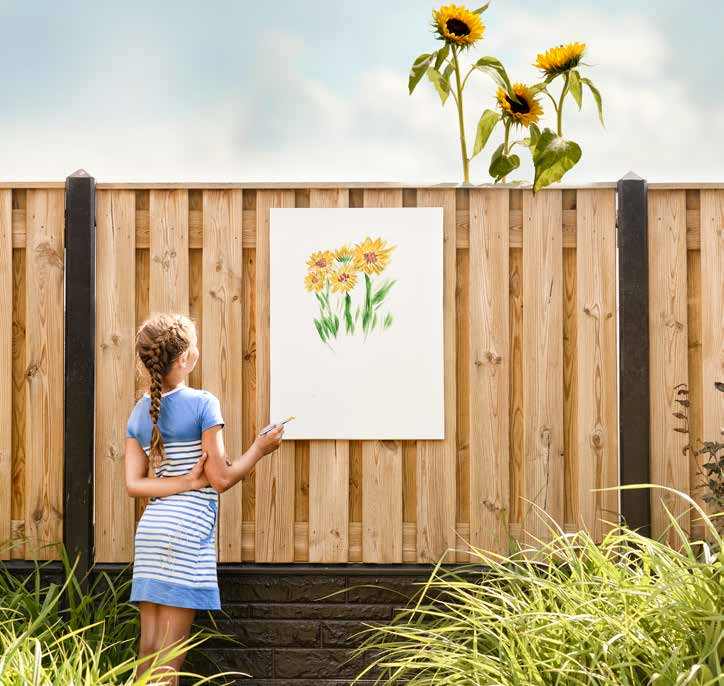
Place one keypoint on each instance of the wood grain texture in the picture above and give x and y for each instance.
(488, 370)
(712, 314)
(6, 367)
(668, 354)
(382, 465)
(274, 531)
(115, 391)
(44, 372)
(543, 362)
(570, 388)
(248, 379)
(222, 343)
(436, 460)
(328, 464)
(516, 416)
(196, 310)
(143, 276)
(597, 375)
(169, 256)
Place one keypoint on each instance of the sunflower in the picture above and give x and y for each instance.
(525, 112)
(343, 278)
(321, 261)
(315, 280)
(457, 25)
(344, 254)
(371, 257)
(560, 59)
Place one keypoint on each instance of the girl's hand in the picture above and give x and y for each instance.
(197, 477)
(268, 443)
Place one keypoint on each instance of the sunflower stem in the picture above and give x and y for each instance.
(459, 103)
(560, 104)
(505, 144)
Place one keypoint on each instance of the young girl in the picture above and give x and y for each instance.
(179, 429)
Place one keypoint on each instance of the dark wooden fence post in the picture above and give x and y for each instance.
(634, 393)
(80, 303)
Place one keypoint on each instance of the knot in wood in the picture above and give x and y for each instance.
(38, 516)
(493, 358)
(545, 436)
(32, 371)
(597, 440)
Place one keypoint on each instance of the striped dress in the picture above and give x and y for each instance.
(175, 544)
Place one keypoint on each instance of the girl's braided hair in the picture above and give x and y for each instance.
(160, 340)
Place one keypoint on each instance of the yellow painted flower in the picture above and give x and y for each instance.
(371, 256)
(322, 261)
(525, 112)
(458, 25)
(315, 280)
(344, 254)
(560, 59)
(343, 278)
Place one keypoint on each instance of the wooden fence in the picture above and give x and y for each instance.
(530, 366)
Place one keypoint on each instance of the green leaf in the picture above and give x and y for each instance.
(441, 56)
(486, 124)
(532, 140)
(442, 85)
(494, 68)
(574, 85)
(596, 97)
(417, 70)
(320, 330)
(388, 321)
(381, 293)
(482, 9)
(501, 165)
(349, 324)
(538, 88)
(553, 157)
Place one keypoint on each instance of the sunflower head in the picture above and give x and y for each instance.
(344, 254)
(314, 280)
(560, 59)
(457, 25)
(322, 261)
(343, 278)
(524, 112)
(372, 256)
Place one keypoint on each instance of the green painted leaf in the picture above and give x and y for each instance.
(381, 293)
(596, 97)
(442, 85)
(494, 68)
(441, 56)
(417, 71)
(574, 85)
(501, 165)
(553, 157)
(388, 321)
(486, 124)
(320, 330)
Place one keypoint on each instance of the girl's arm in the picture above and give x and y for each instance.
(139, 485)
(220, 471)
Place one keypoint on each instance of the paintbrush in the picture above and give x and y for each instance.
(274, 426)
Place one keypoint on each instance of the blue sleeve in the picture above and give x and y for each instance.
(210, 411)
(131, 425)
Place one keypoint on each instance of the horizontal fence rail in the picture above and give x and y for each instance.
(530, 366)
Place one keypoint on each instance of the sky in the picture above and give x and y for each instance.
(316, 90)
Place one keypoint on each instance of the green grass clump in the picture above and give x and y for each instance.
(628, 611)
(82, 632)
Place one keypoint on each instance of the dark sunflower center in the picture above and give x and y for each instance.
(457, 27)
(321, 262)
(521, 107)
(370, 257)
(344, 277)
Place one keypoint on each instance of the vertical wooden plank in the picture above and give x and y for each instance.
(6, 366)
(221, 350)
(712, 313)
(597, 374)
(274, 531)
(248, 378)
(44, 370)
(543, 361)
(488, 369)
(169, 256)
(436, 460)
(115, 343)
(517, 424)
(570, 387)
(329, 463)
(668, 354)
(382, 464)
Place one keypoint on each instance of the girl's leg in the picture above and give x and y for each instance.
(173, 625)
(147, 643)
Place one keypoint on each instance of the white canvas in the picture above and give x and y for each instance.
(389, 385)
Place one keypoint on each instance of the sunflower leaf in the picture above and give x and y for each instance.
(482, 9)
(442, 85)
(574, 85)
(488, 120)
(320, 330)
(388, 321)
(441, 56)
(494, 68)
(532, 140)
(538, 88)
(418, 69)
(501, 165)
(381, 293)
(552, 158)
(596, 97)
